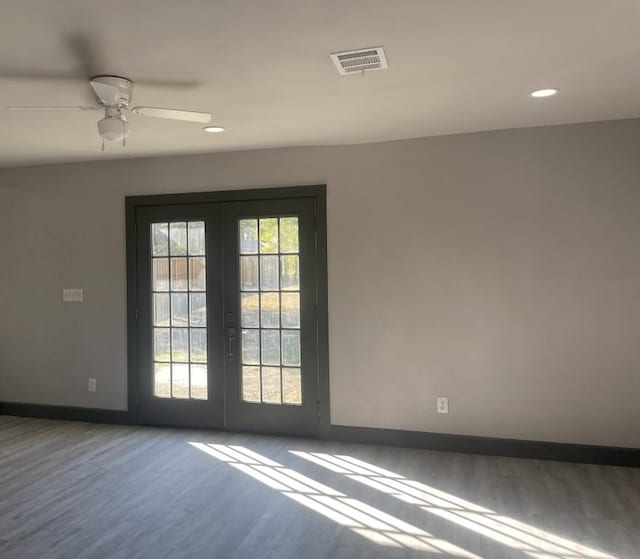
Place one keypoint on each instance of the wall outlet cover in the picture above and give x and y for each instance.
(92, 385)
(442, 404)
(74, 295)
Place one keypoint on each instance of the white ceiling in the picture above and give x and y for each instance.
(262, 68)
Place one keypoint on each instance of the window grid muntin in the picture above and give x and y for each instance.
(279, 254)
(169, 256)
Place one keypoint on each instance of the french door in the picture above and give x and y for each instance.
(227, 332)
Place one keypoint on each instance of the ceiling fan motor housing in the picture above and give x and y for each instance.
(113, 91)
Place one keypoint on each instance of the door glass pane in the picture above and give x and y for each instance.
(289, 234)
(198, 344)
(290, 272)
(251, 384)
(269, 273)
(178, 239)
(178, 274)
(250, 306)
(251, 347)
(291, 386)
(179, 310)
(291, 347)
(162, 344)
(162, 380)
(160, 239)
(270, 342)
(196, 238)
(249, 236)
(269, 235)
(161, 309)
(199, 382)
(271, 318)
(197, 309)
(180, 345)
(197, 276)
(271, 385)
(290, 303)
(249, 273)
(161, 274)
(180, 380)
(270, 310)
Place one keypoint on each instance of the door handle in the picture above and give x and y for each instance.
(231, 334)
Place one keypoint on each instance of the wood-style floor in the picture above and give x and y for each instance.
(75, 490)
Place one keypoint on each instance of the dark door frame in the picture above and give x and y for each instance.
(315, 192)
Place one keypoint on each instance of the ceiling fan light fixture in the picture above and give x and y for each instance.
(213, 129)
(113, 127)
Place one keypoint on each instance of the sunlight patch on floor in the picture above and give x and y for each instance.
(535, 542)
(365, 520)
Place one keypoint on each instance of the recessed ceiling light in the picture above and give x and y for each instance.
(544, 92)
(213, 129)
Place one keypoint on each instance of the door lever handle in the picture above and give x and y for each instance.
(231, 334)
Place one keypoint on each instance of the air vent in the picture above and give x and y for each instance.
(361, 60)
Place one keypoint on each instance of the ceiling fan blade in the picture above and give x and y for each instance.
(87, 51)
(174, 114)
(53, 108)
(168, 84)
(17, 74)
(13, 74)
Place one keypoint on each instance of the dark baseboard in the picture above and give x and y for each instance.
(514, 448)
(68, 413)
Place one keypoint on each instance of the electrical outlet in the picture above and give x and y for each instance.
(442, 404)
(92, 385)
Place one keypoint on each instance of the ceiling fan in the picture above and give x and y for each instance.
(113, 95)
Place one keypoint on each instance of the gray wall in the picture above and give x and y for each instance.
(499, 269)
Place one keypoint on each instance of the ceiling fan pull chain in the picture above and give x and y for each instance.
(124, 133)
(102, 144)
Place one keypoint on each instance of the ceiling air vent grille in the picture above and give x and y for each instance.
(361, 60)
